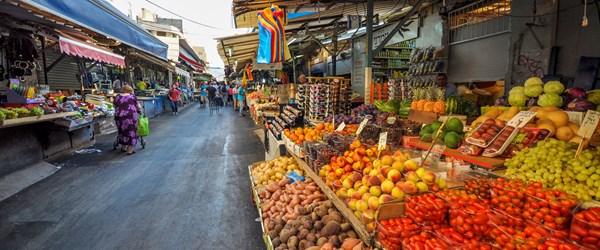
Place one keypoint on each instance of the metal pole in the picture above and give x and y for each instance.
(334, 55)
(370, 33)
(44, 59)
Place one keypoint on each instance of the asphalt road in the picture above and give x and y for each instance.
(189, 189)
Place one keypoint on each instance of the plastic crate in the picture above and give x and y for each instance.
(583, 227)
(429, 211)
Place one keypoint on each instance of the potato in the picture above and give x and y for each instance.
(276, 241)
(285, 235)
(314, 216)
(321, 241)
(307, 225)
(313, 248)
(311, 238)
(309, 244)
(303, 233)
(271, 224)
(302, 244)
(272, 234)
(295, 224)
(332, 228)
(328, 203)
(292, 242)
(336, 216)
(342, 236)
(321, 211)
(352, 234)
(318, 225)
(280, 221)
(278, 229)
(325, 219)
(281, 247)
(345, 227)
(335, 241)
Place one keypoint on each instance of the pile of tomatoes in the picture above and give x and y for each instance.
(508, 195)
(479, 186)
(392, 231)
(423, 241)
(426, 209)
(552, 208)
(585, 228)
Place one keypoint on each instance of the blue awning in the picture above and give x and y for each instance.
(101, 17)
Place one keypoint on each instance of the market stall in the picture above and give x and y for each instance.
(514, 177)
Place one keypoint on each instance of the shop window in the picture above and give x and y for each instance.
(480, 19)
(161, 33)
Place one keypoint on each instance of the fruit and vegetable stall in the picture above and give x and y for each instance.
(525, 175)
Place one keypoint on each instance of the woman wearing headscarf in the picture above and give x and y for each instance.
(127, 110)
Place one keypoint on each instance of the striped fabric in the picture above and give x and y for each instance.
(272, 45)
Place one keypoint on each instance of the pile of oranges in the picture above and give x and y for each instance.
(300, 135)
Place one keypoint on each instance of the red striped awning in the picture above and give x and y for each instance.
(191, 61)
(89, 51)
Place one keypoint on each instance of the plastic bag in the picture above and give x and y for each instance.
(142, 128)
(293, 176)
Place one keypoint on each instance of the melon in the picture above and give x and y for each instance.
(560, 118)
(564, 133)
(549, 127)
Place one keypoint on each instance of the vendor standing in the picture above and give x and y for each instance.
(442, 82)
(141, 85)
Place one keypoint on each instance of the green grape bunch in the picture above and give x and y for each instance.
(554, 164)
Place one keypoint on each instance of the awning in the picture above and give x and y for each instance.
(103, 18)
(89, 51)
(196, 65)
(182, 72)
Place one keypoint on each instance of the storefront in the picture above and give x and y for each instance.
(59, 77)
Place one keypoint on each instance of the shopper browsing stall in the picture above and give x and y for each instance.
(449, 89)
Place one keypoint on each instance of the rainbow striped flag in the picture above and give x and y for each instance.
(272, 46)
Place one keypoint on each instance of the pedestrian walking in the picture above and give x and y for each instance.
(174, 94)
(230, 94)
(203, 95)
(118, 85)
(127, 111)
(235, 95)
(240, 96)
(224, 92)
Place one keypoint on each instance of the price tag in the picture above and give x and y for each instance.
(341, 127)
(382, 141)
(521, 119)
(588, 126)
(362, 126)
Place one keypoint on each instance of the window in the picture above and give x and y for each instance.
(480, 19)
(161, 33)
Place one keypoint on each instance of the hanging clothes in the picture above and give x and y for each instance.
(272, 46)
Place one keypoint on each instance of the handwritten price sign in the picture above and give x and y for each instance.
(361, 126)
(588, 126)
(382, 141)
(521, 119)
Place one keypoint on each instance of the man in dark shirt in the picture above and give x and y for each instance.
(211, 92)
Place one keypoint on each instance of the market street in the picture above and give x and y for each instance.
(189, 189)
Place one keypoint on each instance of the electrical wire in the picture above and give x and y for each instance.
(196, 22)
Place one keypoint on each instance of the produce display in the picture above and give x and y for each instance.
(275, 170)
(429, 99)
(297, 215)
(451, 135)
(299, 135)
(365, 182)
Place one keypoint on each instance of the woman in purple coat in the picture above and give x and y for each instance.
(126, 118)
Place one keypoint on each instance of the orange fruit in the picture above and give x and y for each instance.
(321, 126)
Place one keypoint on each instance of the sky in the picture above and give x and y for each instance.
(215, 13)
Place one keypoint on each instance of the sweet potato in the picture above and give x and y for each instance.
(350, 243)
